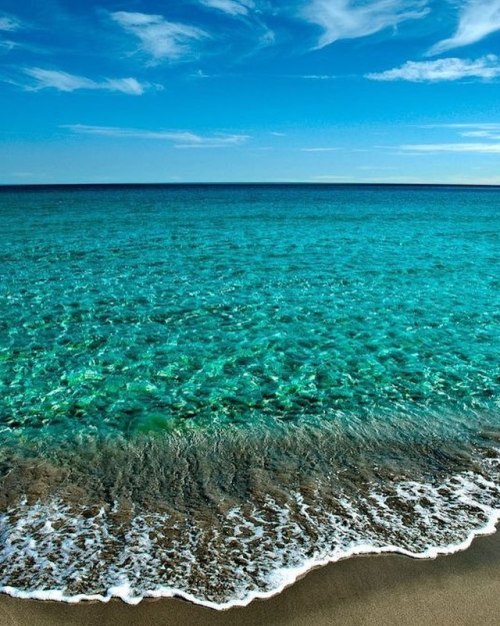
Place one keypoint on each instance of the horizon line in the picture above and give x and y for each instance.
(4, 186)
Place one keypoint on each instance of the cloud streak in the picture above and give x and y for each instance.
(231, 7)
(180, 139)
(477, 20)
(475, 125)
(482, 134)
(486, 68)
(348, 19)
(435, 148)
(478, 130)
(159, 38)
(9, 24)
(489, 131)
(62, 81)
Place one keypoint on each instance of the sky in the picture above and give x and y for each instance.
(397, 91)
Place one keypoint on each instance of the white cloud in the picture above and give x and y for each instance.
(489, 131)
(481, 134)
(318, 77)
(476, 130)
(9, 24)
(231, 7)
(62, 81)
(349, 19)
(433, 148)
(8, 45)
(159, 39)
(477, 19)
(491, 126)
(486, 67)
(181, 139)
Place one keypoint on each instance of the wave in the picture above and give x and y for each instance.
(59, 551)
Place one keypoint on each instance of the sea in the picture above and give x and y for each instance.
(208, 390)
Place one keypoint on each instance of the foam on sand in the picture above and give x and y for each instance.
(53, 551)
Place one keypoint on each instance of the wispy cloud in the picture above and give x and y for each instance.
(8, 45)
(433, 148)
(486, 68)
(489, 131)
(9, 24)
(482, 134)
(181, 139)
(478, 130)
(477, 19)
(317, 76)
(159, 38)
(349, 19)
(474, 125)
(62, 81)
(231, 7)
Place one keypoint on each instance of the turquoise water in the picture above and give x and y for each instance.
(240, 380)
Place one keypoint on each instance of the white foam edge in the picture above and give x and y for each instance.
(287, 576)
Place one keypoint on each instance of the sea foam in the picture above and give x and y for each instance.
(52, 551)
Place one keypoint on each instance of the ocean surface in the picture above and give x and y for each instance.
(207, 390)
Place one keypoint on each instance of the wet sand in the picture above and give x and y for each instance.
(460, 589)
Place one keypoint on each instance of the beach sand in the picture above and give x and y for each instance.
(459, 589)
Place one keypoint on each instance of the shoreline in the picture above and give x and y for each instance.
(285, 577)
(460, 588)
(473, 511)
(295, 575)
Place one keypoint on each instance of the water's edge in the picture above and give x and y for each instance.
(294, 575)
(252, 551)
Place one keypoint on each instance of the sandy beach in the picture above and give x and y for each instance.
(460, 589)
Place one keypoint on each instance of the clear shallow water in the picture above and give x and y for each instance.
(207, 390)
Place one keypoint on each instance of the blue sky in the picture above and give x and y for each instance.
(250, 90)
